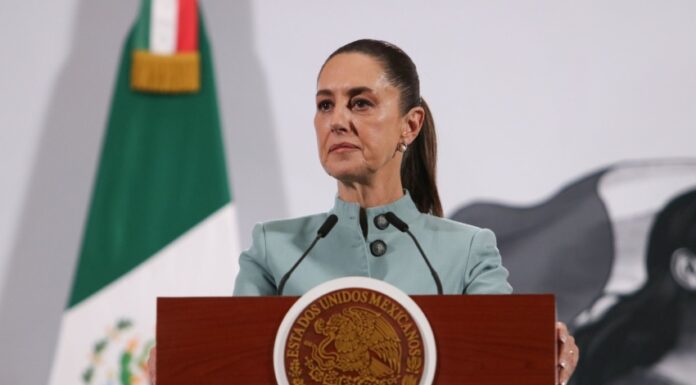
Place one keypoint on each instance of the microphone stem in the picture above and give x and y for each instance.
(281, 286)
(432, 271)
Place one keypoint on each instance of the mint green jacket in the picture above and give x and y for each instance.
(465, 257)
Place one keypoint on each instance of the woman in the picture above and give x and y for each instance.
(376, 137)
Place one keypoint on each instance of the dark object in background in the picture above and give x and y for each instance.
(618, 249)
(644, 326)
(561, 246)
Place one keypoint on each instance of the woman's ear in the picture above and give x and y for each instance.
(412, 124)
(683, 266)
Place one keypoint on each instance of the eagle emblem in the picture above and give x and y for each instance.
(353, 336)
(358, 341)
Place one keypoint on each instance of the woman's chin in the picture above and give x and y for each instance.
(347, 174)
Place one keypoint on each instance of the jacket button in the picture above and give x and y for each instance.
(381, 222)
(378, 248)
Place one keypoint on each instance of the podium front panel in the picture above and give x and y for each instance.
(481, 340)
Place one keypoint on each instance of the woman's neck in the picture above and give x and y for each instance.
(370, 195)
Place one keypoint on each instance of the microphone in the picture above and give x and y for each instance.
(323, 231)
(403, 227)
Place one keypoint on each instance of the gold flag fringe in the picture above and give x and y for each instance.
(177, 73)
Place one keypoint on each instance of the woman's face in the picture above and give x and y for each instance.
(358, 121)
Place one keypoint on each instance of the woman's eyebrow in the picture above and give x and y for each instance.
(358, 90)
(350, 92)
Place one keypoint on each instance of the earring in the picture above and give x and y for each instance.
(403, 147)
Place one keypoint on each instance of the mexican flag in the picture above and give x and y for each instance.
(161, 220)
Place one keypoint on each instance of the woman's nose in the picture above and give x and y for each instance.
(340, 120)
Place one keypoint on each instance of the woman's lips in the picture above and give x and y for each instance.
(341, 147)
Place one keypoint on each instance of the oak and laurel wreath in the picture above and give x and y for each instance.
(413, 366)
(295, 370)
(124, 374)
(332, 376)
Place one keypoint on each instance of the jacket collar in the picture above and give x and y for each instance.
(404, 208)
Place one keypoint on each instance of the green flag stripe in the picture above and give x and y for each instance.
(162, 171)
(142, 27)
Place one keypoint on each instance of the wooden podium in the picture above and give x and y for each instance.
(481, 340)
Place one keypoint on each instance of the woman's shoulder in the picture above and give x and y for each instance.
(459, 235)
(307, 223)
(444, 224)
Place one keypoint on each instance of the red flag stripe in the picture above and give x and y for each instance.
(188, 26)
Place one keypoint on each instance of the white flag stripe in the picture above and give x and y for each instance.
(164, 20)
(202, 262)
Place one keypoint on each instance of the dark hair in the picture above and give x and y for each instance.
(420, 159)
(639, 330)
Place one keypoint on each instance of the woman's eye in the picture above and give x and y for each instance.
(324, 105)
(360, 104)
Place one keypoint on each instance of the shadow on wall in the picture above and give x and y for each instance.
(49, 233)
(250, 141)
(51, 221)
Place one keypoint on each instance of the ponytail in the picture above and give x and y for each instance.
(418, 167)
